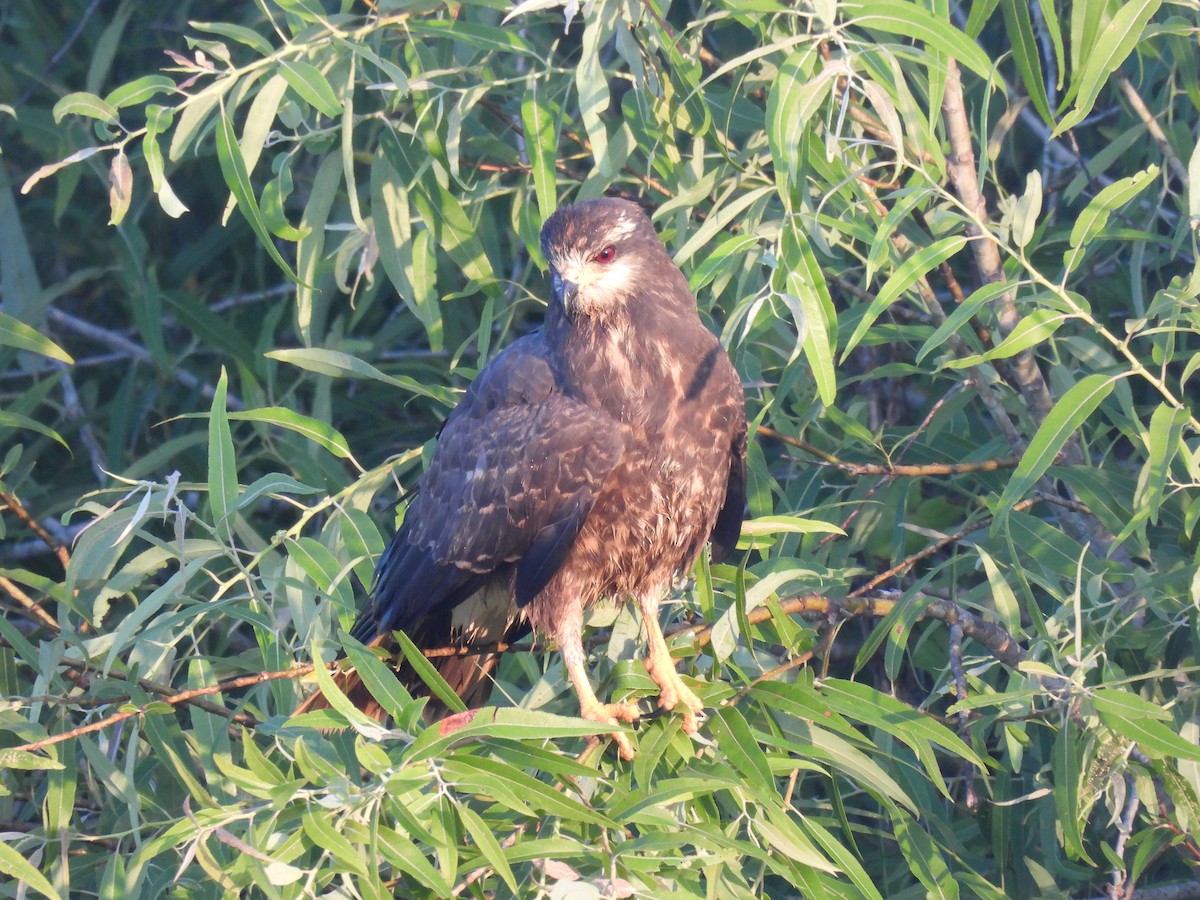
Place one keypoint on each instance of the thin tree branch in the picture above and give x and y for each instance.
(19, 510)
(1174, 163)
(894, 469)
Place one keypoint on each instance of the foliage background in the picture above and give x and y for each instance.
(981, 425)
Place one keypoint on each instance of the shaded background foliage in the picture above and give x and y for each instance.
(235, 440)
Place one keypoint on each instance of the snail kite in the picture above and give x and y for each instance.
(591, 459)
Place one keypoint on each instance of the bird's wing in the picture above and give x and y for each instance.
(728, 527)
(517, 468)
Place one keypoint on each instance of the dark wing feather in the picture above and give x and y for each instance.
(728, 527)
(517, 468)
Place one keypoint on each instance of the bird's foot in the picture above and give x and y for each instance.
(674, 692)
(614, 714)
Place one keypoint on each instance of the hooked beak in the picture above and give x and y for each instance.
(565, 293)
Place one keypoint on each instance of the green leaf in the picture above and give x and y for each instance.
(1142, 721)
(378, 678)
(233, 168)
(340, 365)
(222, 466)
(20, 869)
(1067, 757)
(314, 430)
(1071, 411)
(137, 92)
(541, 121)
(321, 831)
(1019, 28)
(787, 525)
(308, 82)
(795, 96)
(1032, 330)
(924, 858)
(910, 20)
(962, 314)
(488, 846)
(907, 274)
(1094, 217)
(428, 673)
(1027, 209)
(1112, 46)
(15, 333)
(82, 103)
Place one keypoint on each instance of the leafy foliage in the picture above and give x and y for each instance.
(962, 295)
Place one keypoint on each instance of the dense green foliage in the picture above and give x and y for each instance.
(980, 424)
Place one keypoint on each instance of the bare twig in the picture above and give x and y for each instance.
(961, 167)
(18, 509)
(1178, 169)
(28, 603)
(119, 342)
(893, 469)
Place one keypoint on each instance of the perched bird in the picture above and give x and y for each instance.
(591, 459)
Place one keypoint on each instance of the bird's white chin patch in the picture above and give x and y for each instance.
(602, 291)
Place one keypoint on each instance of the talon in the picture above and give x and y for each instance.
(674, 692)
(613, 714)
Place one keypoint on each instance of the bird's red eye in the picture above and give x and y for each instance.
(607, 255)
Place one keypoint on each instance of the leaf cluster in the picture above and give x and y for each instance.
(952, 254)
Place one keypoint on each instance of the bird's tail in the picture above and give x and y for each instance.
(469, 676)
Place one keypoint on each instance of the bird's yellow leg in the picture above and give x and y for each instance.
(570, 645)
(661, 666)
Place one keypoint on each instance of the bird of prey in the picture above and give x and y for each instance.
(591, 459)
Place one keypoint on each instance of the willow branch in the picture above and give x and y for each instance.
(30, 605)
(18, 509)
(1174, 163)
(890, 469)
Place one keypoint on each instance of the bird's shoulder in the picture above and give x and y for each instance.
(523, 374)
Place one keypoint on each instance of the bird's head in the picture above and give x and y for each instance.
(600, 253)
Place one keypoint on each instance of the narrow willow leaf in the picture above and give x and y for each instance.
(428, 674)
(795, 96)
(1033, 328)
(901, 280)
(320, 830)
(910, 20)
(316, 431)
(82, 103)
(787, 524)
(488, 846)
(341, 365)
(1071, 411)
(925, 860)
(1019, 28)
(50, 168)
(307, 81)
(22, 871)
(1094, 217)
(120, 188)
(233, 168)
(541, 123)
(222, 467)
(137, 92)
(379, 679)
(1139, 720)
(591, 85)
(1028, 208)
(1163, 445)
(15, 333)
(807, 283)
(963, 314)
(239, 33)
(1111, 48)
(1067, 768)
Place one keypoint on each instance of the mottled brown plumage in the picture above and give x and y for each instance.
(591, 459)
